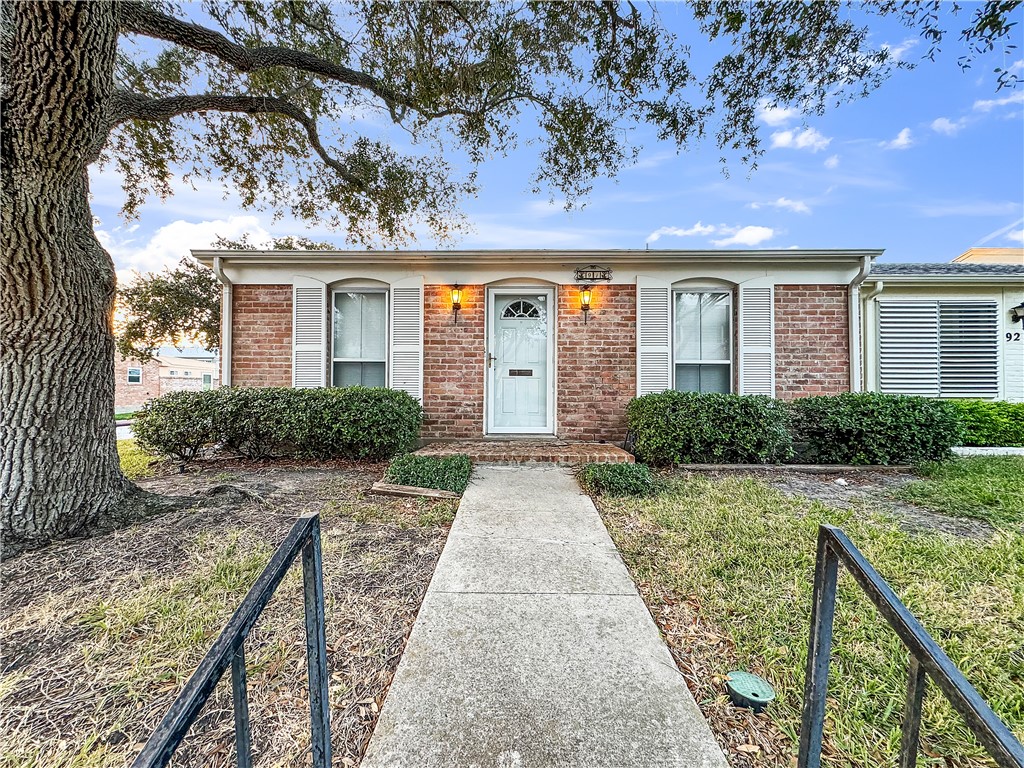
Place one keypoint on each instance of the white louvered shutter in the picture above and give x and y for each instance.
(969, 349)
(653, 335)
(908, 347)
(405, 356)
(757, 341)
(309, 333)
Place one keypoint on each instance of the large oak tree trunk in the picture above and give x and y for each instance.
(60, 474)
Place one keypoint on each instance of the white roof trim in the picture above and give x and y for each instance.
(548, 257)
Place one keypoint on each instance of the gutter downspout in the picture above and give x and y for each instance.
(225, 323)
(870, 337)
(856, 338)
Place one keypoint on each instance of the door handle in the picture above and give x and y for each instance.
(490, 360)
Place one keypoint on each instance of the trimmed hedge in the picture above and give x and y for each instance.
(618, 480)
(445, 473)
(351, 422)
(985, 423)
(874, 428)
(707, 428)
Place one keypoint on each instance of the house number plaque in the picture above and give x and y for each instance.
(593, 274)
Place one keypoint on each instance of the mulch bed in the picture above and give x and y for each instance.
(75, 691)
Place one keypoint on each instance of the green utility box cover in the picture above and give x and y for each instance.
(749, 690)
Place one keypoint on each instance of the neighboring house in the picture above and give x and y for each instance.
(137, 382)
(521, 356)
(945, 330)
(1013, 256)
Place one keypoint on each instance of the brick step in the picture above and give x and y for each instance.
(520, 451)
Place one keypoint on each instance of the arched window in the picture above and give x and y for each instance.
(520, 308)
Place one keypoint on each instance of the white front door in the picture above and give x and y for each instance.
(520, 393)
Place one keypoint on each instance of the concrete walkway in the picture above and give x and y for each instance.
(533, 648)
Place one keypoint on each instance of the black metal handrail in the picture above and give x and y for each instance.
(229, 650)
(927, 659)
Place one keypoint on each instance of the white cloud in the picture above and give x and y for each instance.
(987, 105)
(1017, 66)
(832, 161)
(785, 204)
(896, 51)
(808, 138)
(696, 229)
(749, 236)
(948, 127)
(545, 208)
(999, 232)
(171, 242)
(1016, 236)
(775, 116)
(904, 140)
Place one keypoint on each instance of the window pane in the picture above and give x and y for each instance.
(359, 374)
(715, 378)
(714, 326)
(703, 378)
(360, 325)
(687, 326)
(687, 378)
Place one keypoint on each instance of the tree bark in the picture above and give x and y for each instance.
(60, 475)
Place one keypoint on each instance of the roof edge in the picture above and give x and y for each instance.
(503, 256)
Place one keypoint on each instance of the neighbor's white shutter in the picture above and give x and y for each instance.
(405, 352)
(653, 335)
(908, 347)
(969, 349)
(757, 341)
(309, 332)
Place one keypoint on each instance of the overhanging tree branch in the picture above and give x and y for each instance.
(136, 107)
(142, 19)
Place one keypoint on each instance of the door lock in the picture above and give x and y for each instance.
(490, 360)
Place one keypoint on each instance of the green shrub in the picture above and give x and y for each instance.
(618, 480)
(874, 428)
(445, 473)
(690, 427)
(178, 424)
(351, 423)
(991, 423)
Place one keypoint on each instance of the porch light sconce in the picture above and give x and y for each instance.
(456, 303)
(1017, 313)
(586, 292)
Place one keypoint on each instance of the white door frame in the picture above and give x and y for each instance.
(489, 388)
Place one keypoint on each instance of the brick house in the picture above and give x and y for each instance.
(137, 382)
(530, 350)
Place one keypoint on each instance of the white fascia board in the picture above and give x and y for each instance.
(545, 257)
(946, 280)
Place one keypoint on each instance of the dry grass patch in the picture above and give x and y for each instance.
(99, 635)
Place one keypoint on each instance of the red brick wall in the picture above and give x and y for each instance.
(812, 340)
(133, 396)
(261, 336)
(453, 363)
(596, 362)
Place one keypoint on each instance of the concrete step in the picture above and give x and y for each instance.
(522, 451)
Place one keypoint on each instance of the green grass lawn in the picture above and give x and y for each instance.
(135, 462)
(986, 487)
(744, 554)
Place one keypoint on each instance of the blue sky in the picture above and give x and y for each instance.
(926, 167)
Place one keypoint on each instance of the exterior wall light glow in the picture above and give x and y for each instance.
(456, 302)
(586, 292)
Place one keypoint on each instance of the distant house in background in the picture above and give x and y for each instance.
(170, 371)
(1013, 256)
